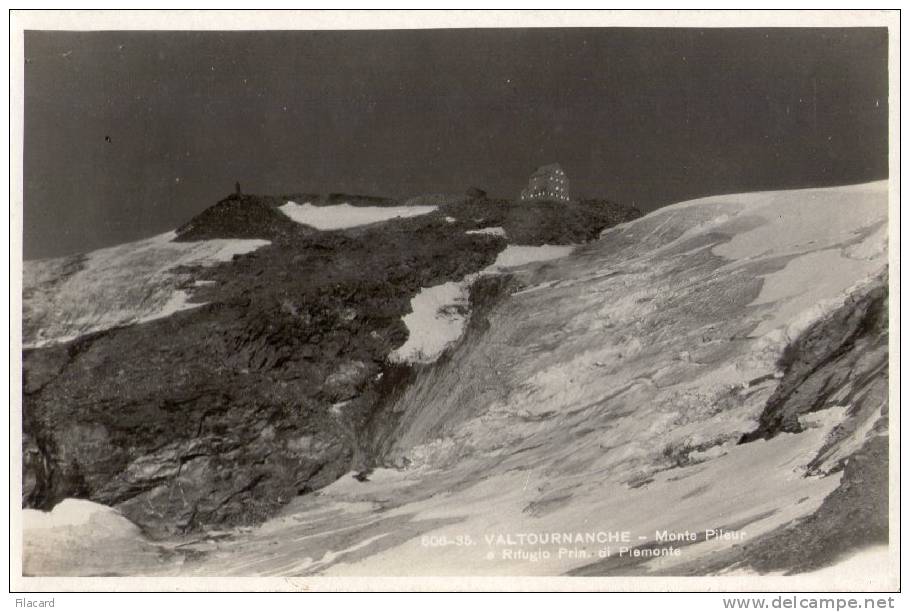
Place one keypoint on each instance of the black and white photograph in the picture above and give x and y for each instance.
(572, 301)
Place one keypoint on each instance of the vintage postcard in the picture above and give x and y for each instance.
(455, 301)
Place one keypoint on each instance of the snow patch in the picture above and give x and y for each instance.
(806, 282)
(69, 513)
(490, 231)
(341, 216)
(439, 314)
(338, 407)
(874, 246)
(437, 319)
(82, 538)
(852, 443)
(515, 255)
(179, 301)
(116, 286)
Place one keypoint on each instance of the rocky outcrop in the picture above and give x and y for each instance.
(540, 222)
(841, 359)
(240, 216)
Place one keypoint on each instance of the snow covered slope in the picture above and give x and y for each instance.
(600, 409)
(607, 396)
(68, 297)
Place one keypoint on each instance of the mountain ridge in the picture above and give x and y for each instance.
(268, 336)
(719, 365)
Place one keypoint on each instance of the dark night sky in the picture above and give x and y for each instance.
(642, 116)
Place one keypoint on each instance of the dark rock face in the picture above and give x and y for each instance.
(219, 415)
(842, 359)
(239, 216)
(475, 193)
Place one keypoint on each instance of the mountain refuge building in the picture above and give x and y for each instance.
(547, 183)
